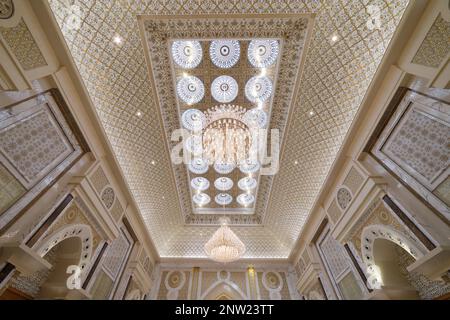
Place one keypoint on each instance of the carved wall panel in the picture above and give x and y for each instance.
(38, 142)
(414, 146)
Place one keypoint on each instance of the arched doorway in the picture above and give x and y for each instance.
(224, 290)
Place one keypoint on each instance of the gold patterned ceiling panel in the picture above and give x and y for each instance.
(346, 47)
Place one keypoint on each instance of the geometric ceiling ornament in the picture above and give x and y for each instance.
(262, 53)
(187, 54)
(223, 199)
(193, 120)
(190, 89)
(224, 53)
(258, 89)
(198, 166)
(200, 184)
(224, 89)
(247, 183)
(201, 199)
(223, 183)
(245, 199)
(255, 118)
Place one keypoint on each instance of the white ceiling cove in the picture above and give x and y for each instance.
(313, 106)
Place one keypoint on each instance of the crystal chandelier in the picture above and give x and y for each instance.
(227, 137)
(224, 246)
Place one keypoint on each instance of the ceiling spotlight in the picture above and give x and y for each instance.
(296, 162)
(117, 39)
(153, 162)
(334, 38)
(139, 114)
(311, 113)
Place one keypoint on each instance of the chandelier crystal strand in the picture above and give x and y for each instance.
(224, 246)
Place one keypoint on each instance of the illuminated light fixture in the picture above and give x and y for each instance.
(193, 144)
(256, 118)
(247, 183)
(224, 53)
(262, 53)
(190, 89)
(139, 114)
(311, 113)
(187, 54)
(245, 199)
(198, 166)
(117, 39)
(223, 183)
(223, 199)
(258, 89)
(224, 89)
(201, 199)
(223, 167)
(227, 138)
(193, 120)
(224, 246)
(334, 37)
(200, 184)
(249, 166)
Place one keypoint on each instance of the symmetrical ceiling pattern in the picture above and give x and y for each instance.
(345, 50)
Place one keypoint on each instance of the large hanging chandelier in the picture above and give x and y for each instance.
(224, 245)
(227, 137)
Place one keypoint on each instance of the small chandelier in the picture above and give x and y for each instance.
(224, 245)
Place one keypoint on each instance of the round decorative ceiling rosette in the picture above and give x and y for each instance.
(200, 184)
(255, 118)
(247, 183)
(187, 54)
(262, 53)
(193, 144)
(193, 120)
(249, 166)
(224, 53)
(245, 199)
(201, 199)
(223, 199)
(223, 167)
(258, 89)
(190, 89)
(198, 166)
(223, 183)
(224, 89)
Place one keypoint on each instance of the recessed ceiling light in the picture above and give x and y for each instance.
(334, 38)
(296, 162)
(311, 113)
(153, 162)
(139, 114)
(117, 39)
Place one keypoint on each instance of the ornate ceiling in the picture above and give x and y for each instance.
(130, 81)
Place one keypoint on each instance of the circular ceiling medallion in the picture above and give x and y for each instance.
(193, 144)
(187, 54)
(224, 89)
(200, 183)
(255, 118)
(198, 166)
(262, 53)
(190, 89)
(247, 183)
(223, 183)
(245, 199)
(201, 199)
(193, 120)
(223, 199)
(249, 166)
(258, 89)
(224, 53)
(223, 167)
